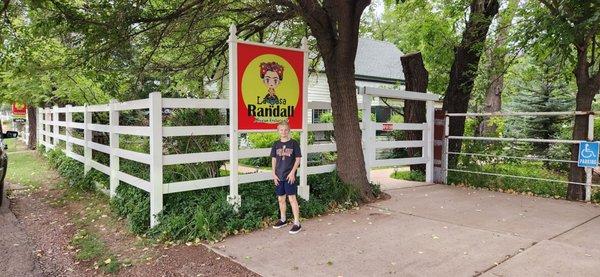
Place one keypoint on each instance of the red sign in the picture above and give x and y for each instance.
(19, 110)
(270, 84)
(388, 127)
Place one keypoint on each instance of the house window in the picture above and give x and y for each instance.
(316, 114)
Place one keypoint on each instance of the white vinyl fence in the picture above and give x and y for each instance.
(49, 135)
(49, 126)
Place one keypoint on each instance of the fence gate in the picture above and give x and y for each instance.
(370, 128)
(496, 159)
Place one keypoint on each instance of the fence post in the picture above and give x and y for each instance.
(113, 122)
(68, 129)
(304, 189)
(368, 135)
(428, 153)
(48, 121)
(234, 198)
(44, 127)
(589, 170)
(445, 166)
(25, 135)
(87, 136)
(438, 146)
(55, 126)
(156, 167)
(38, 127)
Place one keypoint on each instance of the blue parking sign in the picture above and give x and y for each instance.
(588, 154)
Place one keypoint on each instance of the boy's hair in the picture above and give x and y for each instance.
(283, 123)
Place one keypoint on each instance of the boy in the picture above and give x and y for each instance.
(285, 159)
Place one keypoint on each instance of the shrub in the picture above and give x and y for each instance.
(409, 175)
(71, 170)
(206, 214)
(531, 169)
(133, 204)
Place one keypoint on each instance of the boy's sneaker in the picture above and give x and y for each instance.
(295, 229)
(279, 224)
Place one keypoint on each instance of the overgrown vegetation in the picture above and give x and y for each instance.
(205, 214)
(512, 184)
(409, 175)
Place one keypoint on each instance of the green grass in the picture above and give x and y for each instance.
(89, 246)
(14, 145)
(409, 176)
(28, 169)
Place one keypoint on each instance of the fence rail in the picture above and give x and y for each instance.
(447, 137)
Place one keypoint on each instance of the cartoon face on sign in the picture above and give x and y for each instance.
(272, 74)
(270, 89)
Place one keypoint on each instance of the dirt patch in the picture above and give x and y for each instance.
(53, 216)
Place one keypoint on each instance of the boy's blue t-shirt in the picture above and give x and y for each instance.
(286, 154)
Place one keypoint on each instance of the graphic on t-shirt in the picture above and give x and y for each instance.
(284, 152)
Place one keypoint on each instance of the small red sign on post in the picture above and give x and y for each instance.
(19, 110)
(388, 127)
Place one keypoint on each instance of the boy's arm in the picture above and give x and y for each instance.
(296, 164)
(292, 176)
(274, 164)
(298, 155)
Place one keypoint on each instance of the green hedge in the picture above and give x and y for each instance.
(536, 170)
(205, 214)
(72, 171)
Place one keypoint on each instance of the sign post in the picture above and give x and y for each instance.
(588, 158)
(234, 198)
(19, 112)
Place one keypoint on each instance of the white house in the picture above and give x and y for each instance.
(377, 64)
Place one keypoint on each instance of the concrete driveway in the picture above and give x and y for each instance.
(433, 230)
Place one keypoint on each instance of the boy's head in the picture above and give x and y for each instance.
(283, 128)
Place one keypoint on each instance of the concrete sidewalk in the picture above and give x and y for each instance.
(433, 230)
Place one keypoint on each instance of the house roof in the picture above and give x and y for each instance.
(378, 61)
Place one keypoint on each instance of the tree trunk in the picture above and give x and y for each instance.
(32, 121)
(350, 159)
(493, 103)
(417, 79)
(334, 24)
(576, 173)
(496, 57)
(464, 68)
(587, 87)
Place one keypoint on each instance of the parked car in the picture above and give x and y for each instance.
(4, 159)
